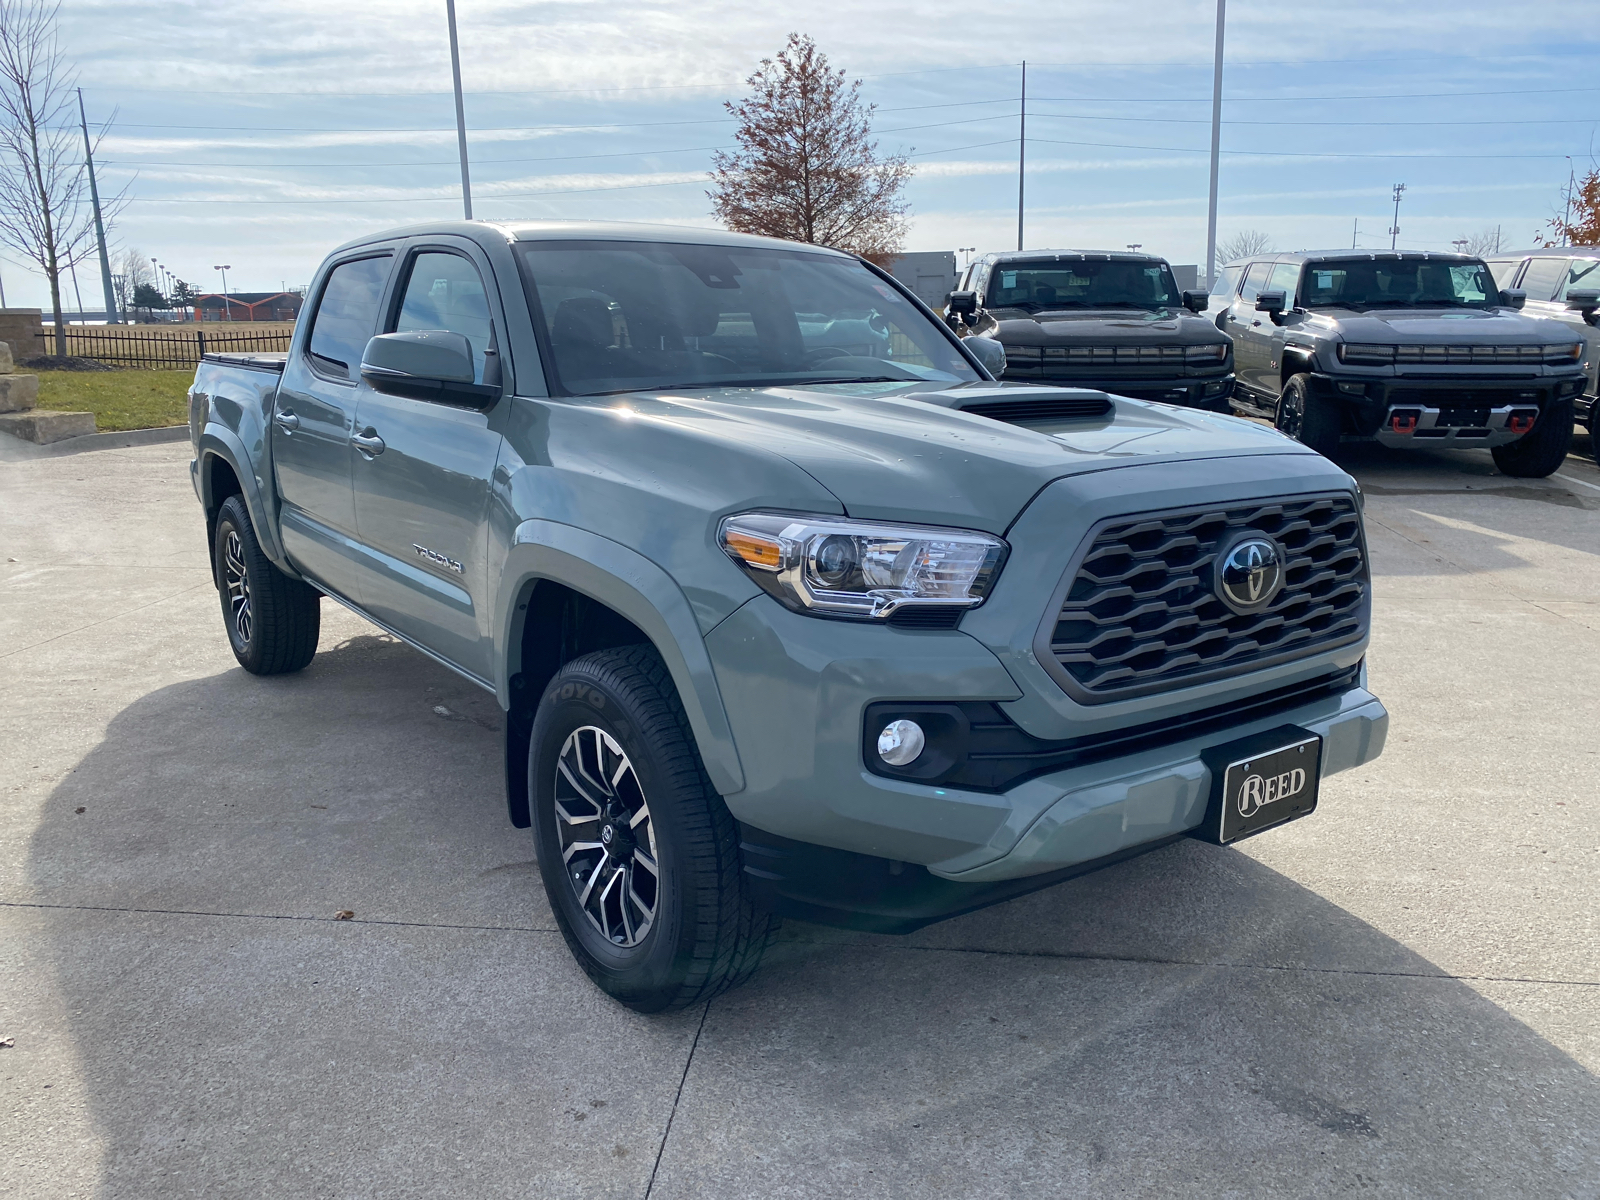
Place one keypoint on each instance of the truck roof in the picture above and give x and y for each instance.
(1351, 255)
(1051, 255)
(542, 230)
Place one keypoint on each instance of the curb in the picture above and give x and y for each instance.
(118, 440)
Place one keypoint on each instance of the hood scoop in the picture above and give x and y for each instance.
(1022, 405)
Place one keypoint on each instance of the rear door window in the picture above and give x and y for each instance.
(1504, 270)
(347, 316)
(1543, 276)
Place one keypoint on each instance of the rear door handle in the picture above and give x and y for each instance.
(287, 420)
(368, 443)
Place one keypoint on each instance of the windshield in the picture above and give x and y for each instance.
(1082, 283)
(624, 316)
(1394, 282)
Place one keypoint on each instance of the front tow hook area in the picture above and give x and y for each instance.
(1404, 420)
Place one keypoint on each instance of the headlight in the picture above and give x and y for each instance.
(1206, 355)
(1355, 352)
(827, 566)
(1563, 353)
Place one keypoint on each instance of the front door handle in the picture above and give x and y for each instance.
(287, 420)
(369, 443)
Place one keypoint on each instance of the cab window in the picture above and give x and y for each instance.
(1255, 280)
(347, 316)
(1542, 277)
(1227, 281)
(1285, 278)
(1504, 270)
(445, 292)
(1583, 275)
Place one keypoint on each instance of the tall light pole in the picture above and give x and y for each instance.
(1134, 246)
(1216, 147)
(99, 226)
(461, 112)
(1022, 149)
(227, 307)
(1460, 244)
(1394, 230)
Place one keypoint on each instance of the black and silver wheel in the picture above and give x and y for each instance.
(1541, 451)
(639, 854)
(272, 621)
(608, 843)
(1310, 420)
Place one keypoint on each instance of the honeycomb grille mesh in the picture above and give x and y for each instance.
(1142, 614)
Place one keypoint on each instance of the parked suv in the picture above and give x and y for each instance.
(1406, 347)
(789, 606)
(1097, 319)
(1563, 284)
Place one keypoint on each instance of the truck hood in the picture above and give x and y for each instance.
(907, 453)
(1104, 327)
(1406, 325)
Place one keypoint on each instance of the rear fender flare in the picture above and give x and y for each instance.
(624, 580)
(220, 442)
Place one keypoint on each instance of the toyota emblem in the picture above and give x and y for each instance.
(1250, 575)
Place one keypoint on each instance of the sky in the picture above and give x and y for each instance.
(262, 135)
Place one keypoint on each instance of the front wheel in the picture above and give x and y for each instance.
(1310, 420)
(639, 854)
(273, 621)
(1540, 452)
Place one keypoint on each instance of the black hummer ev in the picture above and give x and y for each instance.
(1407, 347)
(1096, 319)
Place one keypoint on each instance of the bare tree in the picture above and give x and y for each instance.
(1485, 241)
(806, 167)
(129, 270)
(44, 215)
(1242, 245)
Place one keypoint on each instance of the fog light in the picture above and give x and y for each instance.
(1353, 389)
(900, 743)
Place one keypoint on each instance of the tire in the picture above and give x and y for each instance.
(610, 740)
(1310, 420)
(1540, 452)
(272, 621)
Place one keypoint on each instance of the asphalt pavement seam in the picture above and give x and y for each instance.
(682, 1079)
(1051, 954)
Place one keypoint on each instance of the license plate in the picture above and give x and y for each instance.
(1261, 782)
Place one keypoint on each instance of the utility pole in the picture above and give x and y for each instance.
(1355, 231)
(112, 317)
(1022, 149)
(1394, 230)
(1566, 211)
(461, 112)
(227, 305)
(1216, 147)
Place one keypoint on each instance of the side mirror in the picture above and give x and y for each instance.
(426, 364)
(962, 304)
(988, 352)
(1585, 302)
(1196, 302)
(1270, 302)
(1513, 298)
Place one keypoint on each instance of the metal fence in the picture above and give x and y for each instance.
(159, 349)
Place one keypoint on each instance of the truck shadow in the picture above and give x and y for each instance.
(1175, 1018)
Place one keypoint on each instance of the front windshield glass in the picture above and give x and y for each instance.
(626, 316)
(1082, 283)
(1396, 282)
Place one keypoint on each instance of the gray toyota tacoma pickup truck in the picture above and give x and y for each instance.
(1096, 319)
(791, 608)
(1410, 348)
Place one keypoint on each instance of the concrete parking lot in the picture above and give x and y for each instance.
(1399, 995)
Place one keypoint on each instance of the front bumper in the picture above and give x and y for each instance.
(796, 689)
(1209, 392)
(1455, 410)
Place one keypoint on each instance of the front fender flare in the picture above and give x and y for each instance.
(626, 581)
(219, 440)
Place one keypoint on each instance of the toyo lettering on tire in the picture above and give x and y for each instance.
(639, 854)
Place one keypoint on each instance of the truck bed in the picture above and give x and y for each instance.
(266, 361)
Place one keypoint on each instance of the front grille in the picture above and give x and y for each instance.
(1097, 356)
(1142, 614)
(1050, 408)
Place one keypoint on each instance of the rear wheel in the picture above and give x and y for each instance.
(639, 854)
(1540, 452)
(273, 621)
(1310, 420)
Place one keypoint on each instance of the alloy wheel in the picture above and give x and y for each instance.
(236, 578)
(1291, 412)
(606, 836)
